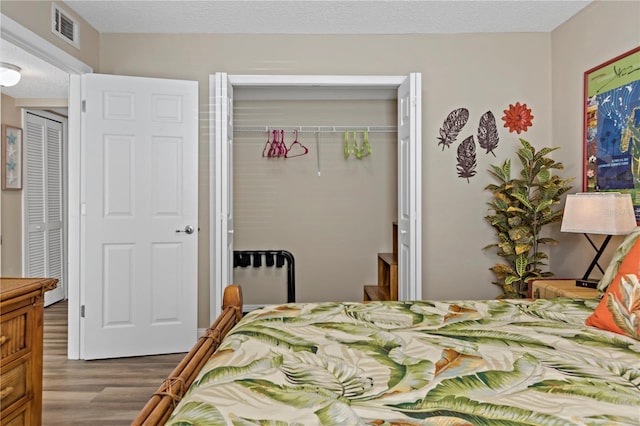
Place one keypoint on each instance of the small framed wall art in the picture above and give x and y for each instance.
(11, 157)
(612, 127)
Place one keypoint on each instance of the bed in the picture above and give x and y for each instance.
(492, 362)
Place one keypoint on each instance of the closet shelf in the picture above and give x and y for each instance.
(316, 129)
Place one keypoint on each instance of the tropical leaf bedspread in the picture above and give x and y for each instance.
(496, 362)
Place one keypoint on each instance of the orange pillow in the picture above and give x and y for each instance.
(618, 257)
(619, 309)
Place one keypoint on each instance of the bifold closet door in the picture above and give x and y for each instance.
(43, 204)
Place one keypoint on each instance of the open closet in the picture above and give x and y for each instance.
(353, 170)
(330, 209)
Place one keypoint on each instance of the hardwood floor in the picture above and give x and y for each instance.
(101, 392)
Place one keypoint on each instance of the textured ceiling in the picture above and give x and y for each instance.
(326, 17)
(41, 80)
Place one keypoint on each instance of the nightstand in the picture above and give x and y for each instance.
(546, 289)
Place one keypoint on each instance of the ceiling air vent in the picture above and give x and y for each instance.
(64, 26)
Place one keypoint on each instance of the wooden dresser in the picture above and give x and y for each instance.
(21, 318)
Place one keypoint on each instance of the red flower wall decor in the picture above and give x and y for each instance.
(517, 118)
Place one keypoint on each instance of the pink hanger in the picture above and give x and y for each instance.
(273, 151)
(267, 147)
(282, 147)
(305, 150)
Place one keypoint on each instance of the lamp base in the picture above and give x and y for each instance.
(587, 283)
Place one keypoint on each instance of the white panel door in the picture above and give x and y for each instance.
(221, 173)
(409, 189)
(43, 211)
(140, 239)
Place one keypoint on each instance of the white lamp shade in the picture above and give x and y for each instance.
(9, 75)
(608, 213)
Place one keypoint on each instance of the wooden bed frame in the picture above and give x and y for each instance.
(164, 400)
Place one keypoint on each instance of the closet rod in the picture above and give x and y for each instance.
(316, 129)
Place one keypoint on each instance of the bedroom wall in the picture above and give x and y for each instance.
(480, 72)
(602, 31)
(36, 16)
(11, 214)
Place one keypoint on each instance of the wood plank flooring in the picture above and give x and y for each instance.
(102, 392)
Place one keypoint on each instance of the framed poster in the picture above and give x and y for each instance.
(11, 157)
(612, 127)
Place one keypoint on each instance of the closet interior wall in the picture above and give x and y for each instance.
(334, 214)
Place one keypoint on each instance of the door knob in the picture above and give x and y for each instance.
(187, 230)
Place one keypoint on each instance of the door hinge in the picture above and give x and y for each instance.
(84, 106)
(82, 311)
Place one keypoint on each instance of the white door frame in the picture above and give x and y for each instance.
(292, 81)
(32, 43)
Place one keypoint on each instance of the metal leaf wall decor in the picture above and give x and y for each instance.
(452, 125)
(488, 132)
(467, 158)
(518, 118)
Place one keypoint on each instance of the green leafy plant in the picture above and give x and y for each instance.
(521, 207)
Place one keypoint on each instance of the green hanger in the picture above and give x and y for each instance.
(355, 150)
(347, 150)
(366, 147)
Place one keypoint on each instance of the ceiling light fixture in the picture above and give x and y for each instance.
(9, 74)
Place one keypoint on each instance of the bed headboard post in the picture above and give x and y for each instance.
(233, 298)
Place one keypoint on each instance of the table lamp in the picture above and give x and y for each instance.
(605, 213)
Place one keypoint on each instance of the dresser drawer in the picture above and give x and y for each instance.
(21, 321)
(14, 333)
(16, 383)
(19, 418)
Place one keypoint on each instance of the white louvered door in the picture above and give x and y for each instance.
(43, 246)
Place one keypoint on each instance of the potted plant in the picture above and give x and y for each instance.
(521, 207)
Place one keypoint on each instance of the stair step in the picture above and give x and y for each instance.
(388, 273)
(376, 292)
(387, 288)
(389, 258)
